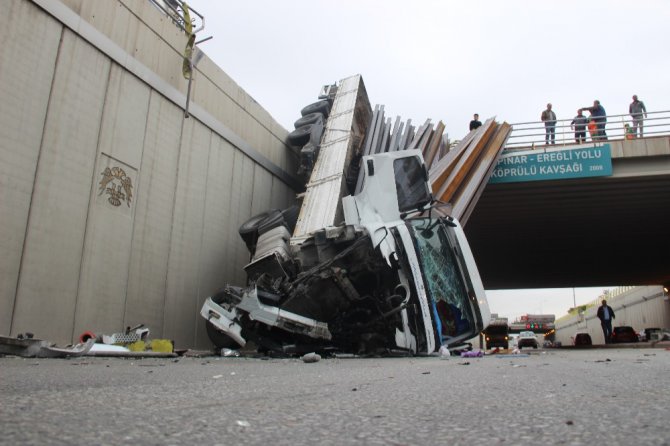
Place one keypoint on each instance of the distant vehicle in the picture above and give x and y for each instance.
(650, 334)
(581, 340)
(624, 334)
(497, 335)
(526, 339)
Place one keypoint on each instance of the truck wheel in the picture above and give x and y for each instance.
(249, 230)
(291, 217)
(308, 119)
(220, 339)
(300, 136)
(322, 106)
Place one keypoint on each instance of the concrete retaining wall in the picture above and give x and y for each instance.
(115, 209)
(639, 307)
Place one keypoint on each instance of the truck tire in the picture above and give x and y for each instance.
(322, 106)
(308, 119)
(220, 339)
(291, 217)
(249, 230)
(273, 220)
(301, 135)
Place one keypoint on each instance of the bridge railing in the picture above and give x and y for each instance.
(174, 9)
(532, 134)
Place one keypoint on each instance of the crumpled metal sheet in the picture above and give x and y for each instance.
(38, 348)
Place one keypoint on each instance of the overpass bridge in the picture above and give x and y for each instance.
(583, 231)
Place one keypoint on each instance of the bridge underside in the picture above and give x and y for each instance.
(576, 233)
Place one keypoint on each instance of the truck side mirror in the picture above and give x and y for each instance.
(371, 167)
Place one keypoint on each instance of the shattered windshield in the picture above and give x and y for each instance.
(452, 311)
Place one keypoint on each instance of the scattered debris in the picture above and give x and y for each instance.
(311, 357)
(25, 345)
(243, 423)
(464, 363)
(472, 354)
(217, 376)
(444, 352)
(227, 352)
(569, 422)
(425, 373)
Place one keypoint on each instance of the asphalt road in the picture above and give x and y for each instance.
(576, 397)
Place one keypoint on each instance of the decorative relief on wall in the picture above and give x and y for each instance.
(116, 184)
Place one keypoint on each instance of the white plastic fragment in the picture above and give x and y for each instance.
(444, 352)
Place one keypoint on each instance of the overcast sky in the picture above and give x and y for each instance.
(446, 60)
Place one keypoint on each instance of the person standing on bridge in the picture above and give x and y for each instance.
(606, 314)
(636, 110)
(578, 124)
(549, 119)
(475, 123)
(599, 117)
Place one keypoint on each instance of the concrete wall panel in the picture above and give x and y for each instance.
(153, 217)
(104, 277)
(262, 191)
(49, 278)
(124, 118)
(186, 239)
(215, 267)
(27, 63)
(104, 272)
(242, 193)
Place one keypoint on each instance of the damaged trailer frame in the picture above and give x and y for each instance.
(395, 277)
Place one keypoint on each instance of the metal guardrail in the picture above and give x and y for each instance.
(532, 134)
(174, 9)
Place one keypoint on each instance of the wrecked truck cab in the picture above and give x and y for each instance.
(381, 282)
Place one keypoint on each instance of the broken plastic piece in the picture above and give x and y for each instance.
(28, 347)
(227, 352)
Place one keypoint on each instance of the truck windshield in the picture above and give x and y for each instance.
(453, 313)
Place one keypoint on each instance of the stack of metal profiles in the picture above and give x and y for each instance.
(457, 175)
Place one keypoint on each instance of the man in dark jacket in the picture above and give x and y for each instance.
(606, 314)
(475, 123)
(549, 119)
(637, 110)
(599, 116)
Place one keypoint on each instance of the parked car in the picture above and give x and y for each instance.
(624, 334)
(526, 339)
(581, 340)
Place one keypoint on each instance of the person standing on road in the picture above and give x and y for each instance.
(549, 119)
(637, 110)
(606, 314)
(578, 124)
(475, 123)
(599, 117)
